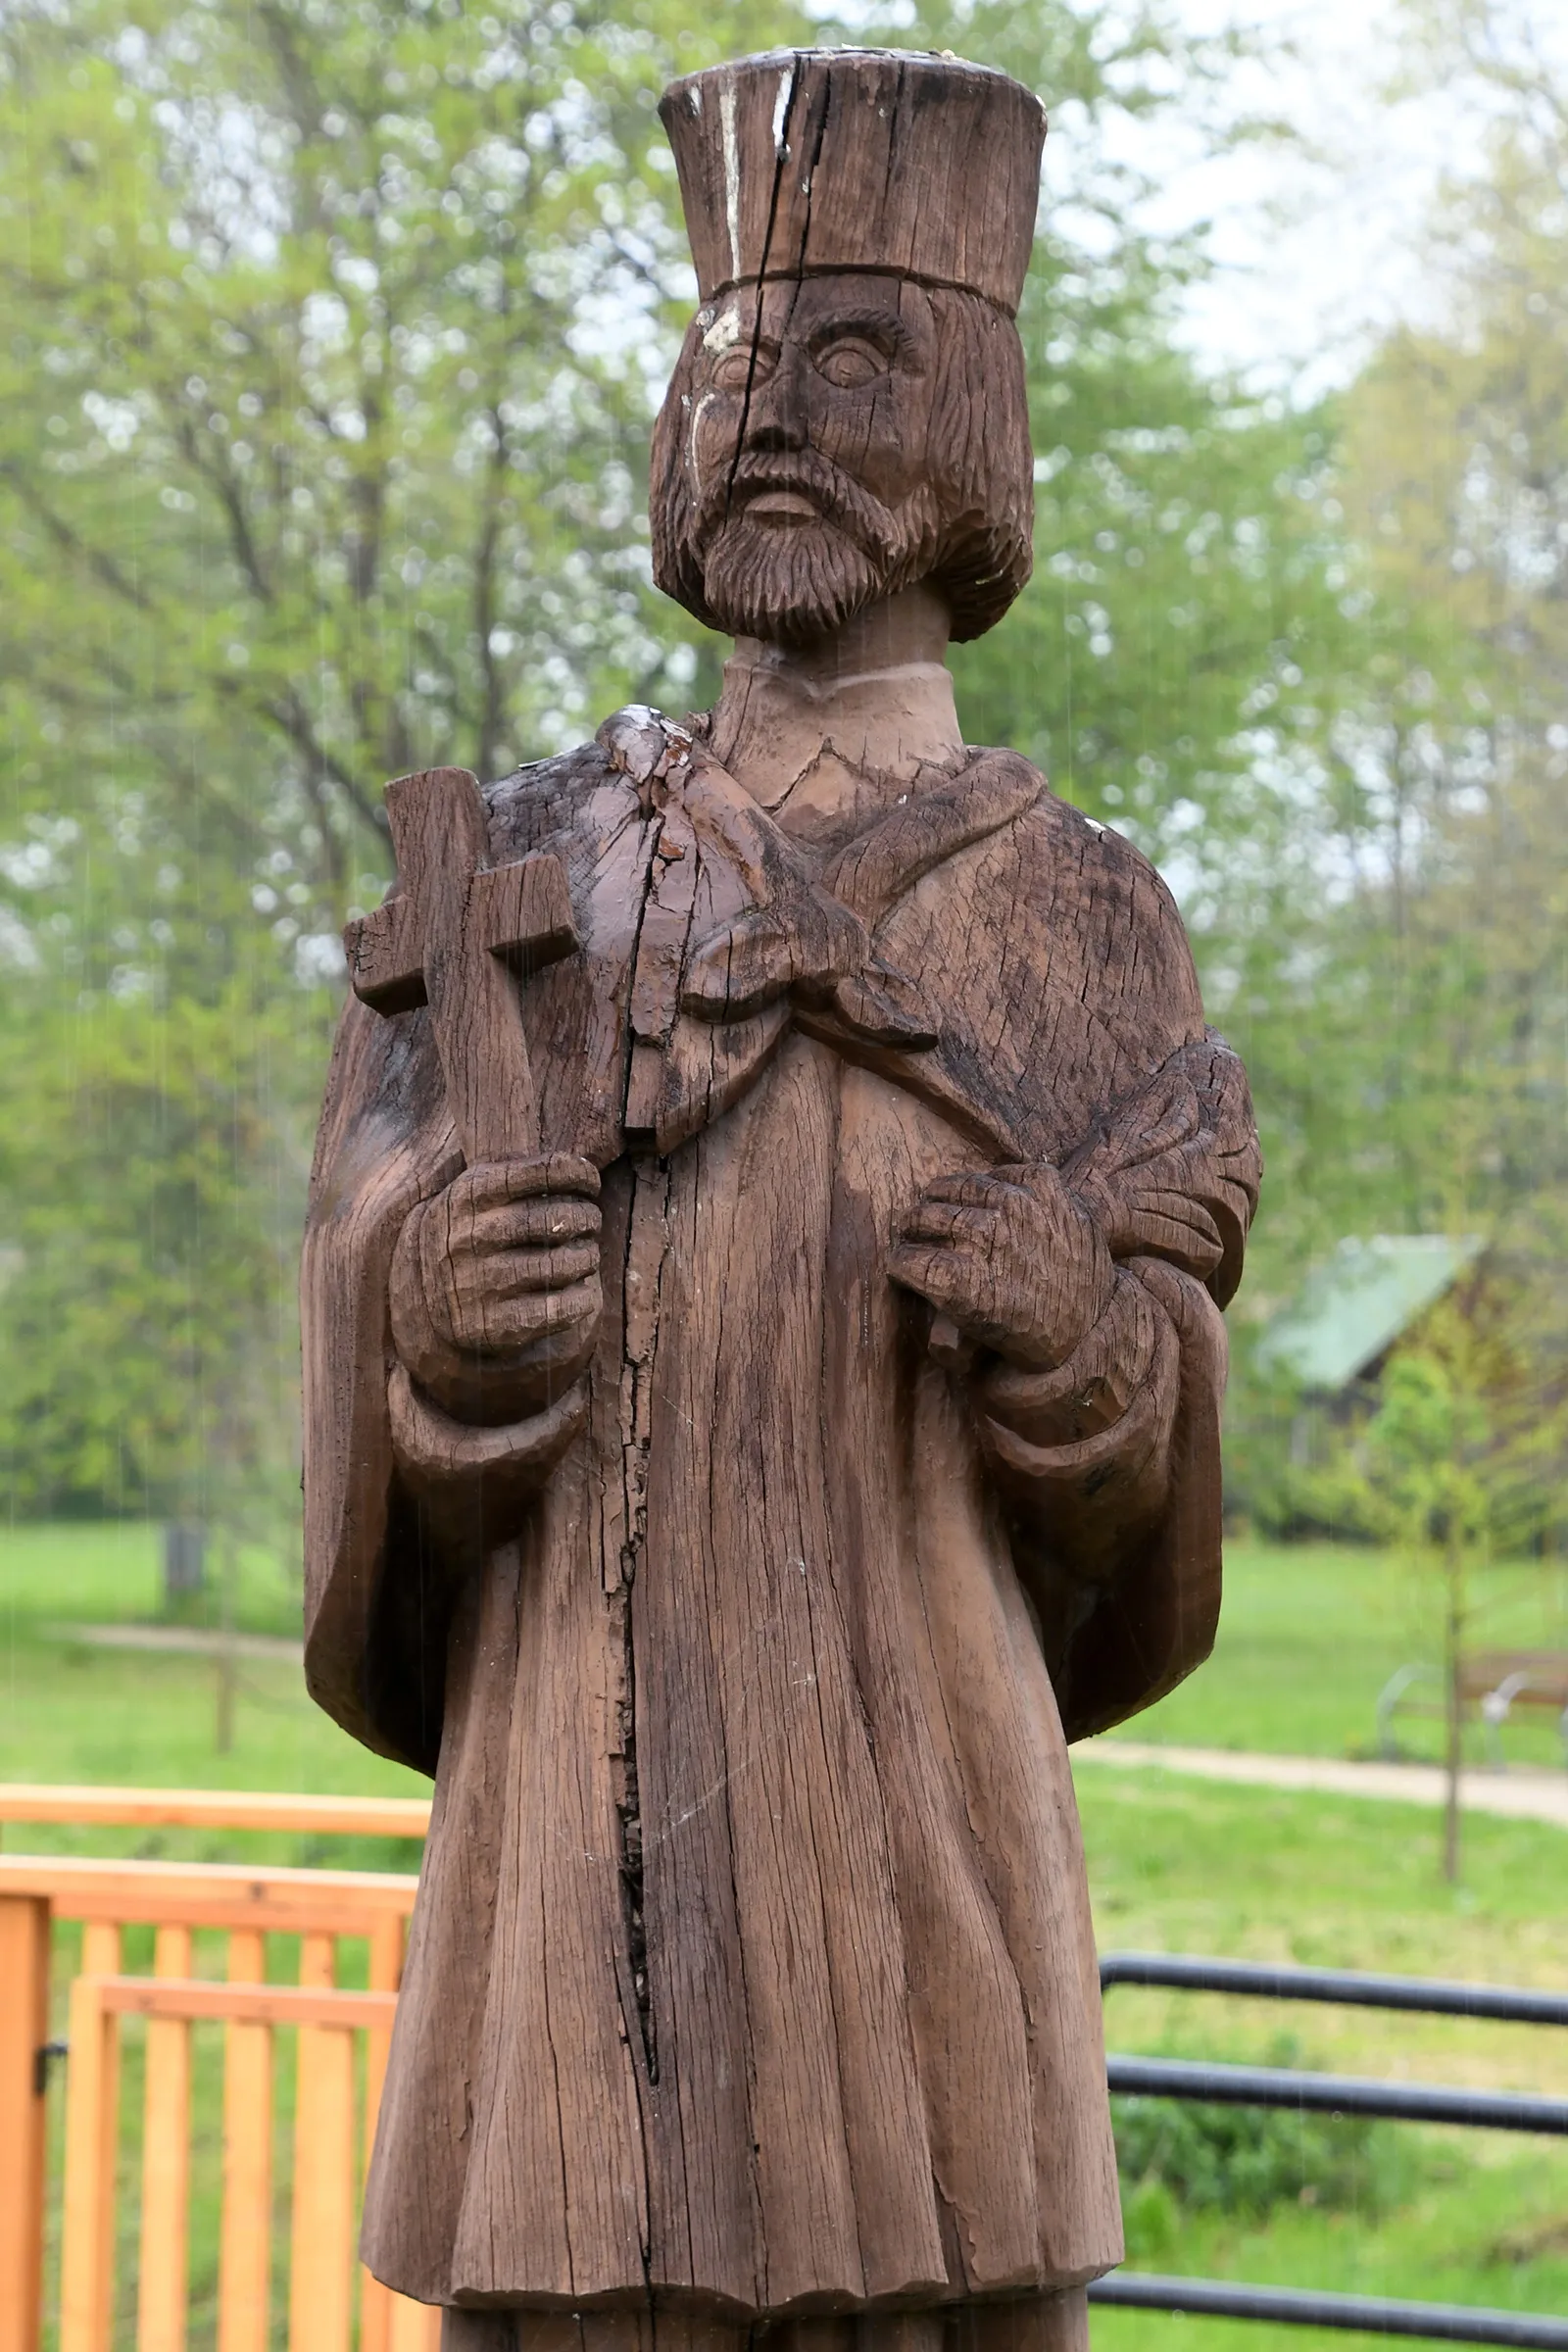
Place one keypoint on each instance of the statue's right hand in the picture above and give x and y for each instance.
(495, 1294)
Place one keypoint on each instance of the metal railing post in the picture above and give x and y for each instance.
(1276, 2086)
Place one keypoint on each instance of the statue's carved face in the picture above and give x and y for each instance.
(807, 425)
(830, 440)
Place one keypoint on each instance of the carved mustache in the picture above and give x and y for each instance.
(805, 474)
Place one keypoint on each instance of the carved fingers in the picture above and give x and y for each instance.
(496, 1293)
(1009, 1258)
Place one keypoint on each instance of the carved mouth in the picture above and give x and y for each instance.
(789, 507)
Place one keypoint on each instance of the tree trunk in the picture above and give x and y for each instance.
(227, 1663)
(1452, 1651)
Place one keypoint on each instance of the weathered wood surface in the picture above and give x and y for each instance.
(846, 179)
(448, 941)
(739, 1491)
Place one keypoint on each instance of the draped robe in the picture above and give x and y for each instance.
(752, 1968)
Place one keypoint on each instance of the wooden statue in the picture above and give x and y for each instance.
(773, 1205)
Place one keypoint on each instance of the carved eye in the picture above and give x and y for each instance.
(740, 365)
(851, 364)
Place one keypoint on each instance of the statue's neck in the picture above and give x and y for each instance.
(826, 733)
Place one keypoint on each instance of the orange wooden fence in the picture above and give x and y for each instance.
(332, 2126)
(214, 1809)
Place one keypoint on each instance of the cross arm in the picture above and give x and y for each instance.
(385, 953)
(522, 912)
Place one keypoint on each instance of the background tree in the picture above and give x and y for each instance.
(1424, 1043)
(334, 337)
(150, 1365)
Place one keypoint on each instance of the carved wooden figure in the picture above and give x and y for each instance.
(763, 1371)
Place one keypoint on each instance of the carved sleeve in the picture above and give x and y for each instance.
(1109, 1470)
(1110, 1465)
(1087, 1447)
(472, 1480)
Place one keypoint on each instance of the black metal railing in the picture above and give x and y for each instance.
(1305, 2307)
(1341, 2094)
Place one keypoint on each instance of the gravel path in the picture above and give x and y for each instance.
(1519, 1796)
(189, 1640)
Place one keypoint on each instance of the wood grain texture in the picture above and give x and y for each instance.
(932, 169)
(764, 1363)
(449, 942)
(906, 1881)
(1056, 2323)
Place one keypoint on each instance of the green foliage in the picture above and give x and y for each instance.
(333, 337)
(1425, 1446)
(333, 333)
(149, 1314)
(330, 331)
(1460, 1437)
(1179, 2155)
(1291, 1492)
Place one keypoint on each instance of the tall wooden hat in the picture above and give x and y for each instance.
(811, 160)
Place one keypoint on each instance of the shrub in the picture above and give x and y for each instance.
(1174, 2154)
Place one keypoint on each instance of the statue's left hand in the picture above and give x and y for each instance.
(1009, 1257)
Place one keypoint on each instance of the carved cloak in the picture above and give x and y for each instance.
(751, 1967)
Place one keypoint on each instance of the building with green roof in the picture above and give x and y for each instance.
(1357, 1303)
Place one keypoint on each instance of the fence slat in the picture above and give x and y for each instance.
(209, 1894)
(197, 1999)
(386, 1972)
(100, 1948)
(321, 2267)
(376, 2314)
(216, 1809)
(92, 2130)
(245, 2245)
(24, 2031)
(321, 2249)
(101, 1941)
(165, 2164)
(414, 2326)
(334, 2123)
(272, 2005)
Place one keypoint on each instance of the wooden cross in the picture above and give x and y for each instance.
(453, 939)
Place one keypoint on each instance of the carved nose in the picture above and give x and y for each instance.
(785, 428)
(776, 418)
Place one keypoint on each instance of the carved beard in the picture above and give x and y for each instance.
(795, 582)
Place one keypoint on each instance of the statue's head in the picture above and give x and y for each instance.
(848, 414)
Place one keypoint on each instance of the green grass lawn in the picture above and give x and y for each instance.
(1309, 1634)
(108, 1571)
(1174, 1865)
(1182, 1866)
(68, 1712)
